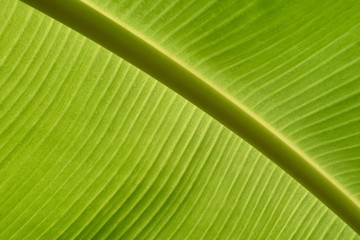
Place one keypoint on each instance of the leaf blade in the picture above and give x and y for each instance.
(212, 99)
(51, 216)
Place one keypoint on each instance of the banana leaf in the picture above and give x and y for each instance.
(255, 134)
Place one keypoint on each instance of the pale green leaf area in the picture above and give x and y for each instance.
(294, 63)
(91, 147)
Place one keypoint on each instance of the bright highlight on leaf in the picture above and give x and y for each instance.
(92, 147)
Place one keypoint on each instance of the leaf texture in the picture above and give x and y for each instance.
(92, 147)
(295, 64)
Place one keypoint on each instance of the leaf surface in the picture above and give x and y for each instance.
(93, 147)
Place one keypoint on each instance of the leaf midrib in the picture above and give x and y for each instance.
(122, 40)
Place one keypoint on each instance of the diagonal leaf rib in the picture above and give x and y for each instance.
(136, 49)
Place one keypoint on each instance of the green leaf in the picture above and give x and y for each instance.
(92, 147)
